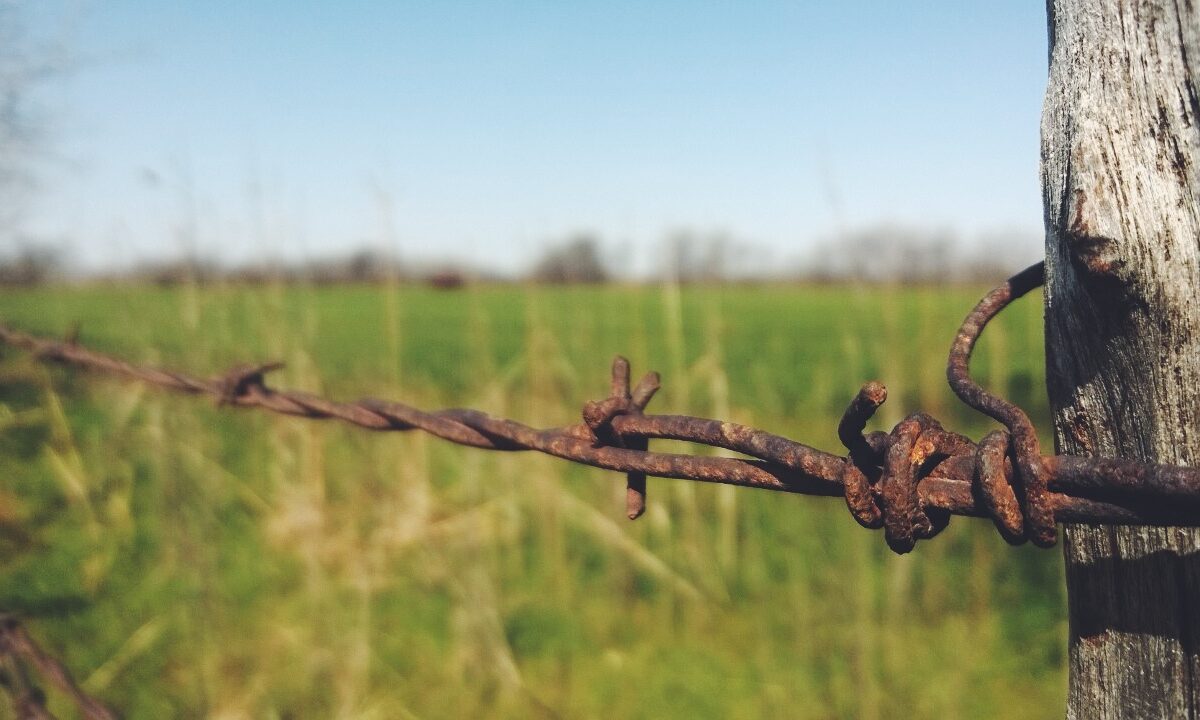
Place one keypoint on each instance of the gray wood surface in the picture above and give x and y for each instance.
(1120, 147)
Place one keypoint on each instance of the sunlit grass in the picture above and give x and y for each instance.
(193, 561)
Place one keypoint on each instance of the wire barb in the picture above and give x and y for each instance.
(908, 482)
(1029, 472)
(598, 416)
(243, 379)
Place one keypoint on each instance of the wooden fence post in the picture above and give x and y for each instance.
(1121, 187)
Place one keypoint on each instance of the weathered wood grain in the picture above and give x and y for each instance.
(1120, 147)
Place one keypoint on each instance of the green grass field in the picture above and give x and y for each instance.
(190, 561)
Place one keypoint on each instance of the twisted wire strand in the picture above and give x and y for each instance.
(908, 481)
(1029, 473)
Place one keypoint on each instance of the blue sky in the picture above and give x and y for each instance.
(481, 131)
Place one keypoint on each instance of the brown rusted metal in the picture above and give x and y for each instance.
(18, 655)
(991, 469)
(598, 416)
(903, 520)
(908, 481)
(1029, 471)
(860, 411)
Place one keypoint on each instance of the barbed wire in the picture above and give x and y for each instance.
(908, 481)
(18, 655)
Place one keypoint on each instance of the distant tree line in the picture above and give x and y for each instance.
(879, 254)
(30, 265)
(361, 266)
(891, 253)
(882, 254)
(577, 260)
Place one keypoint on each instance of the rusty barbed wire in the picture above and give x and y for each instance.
(908, 482)
(18, 655)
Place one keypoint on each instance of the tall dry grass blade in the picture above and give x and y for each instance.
(609, 533)
(140, 642)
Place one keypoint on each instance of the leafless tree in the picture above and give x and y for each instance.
(26, 65)
(690, 256)
(29, 265)
(889, 252)
(575, 261)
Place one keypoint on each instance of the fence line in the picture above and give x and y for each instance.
(909, 481)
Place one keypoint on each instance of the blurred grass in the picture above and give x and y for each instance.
(194, 562)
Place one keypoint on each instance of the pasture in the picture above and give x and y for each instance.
(186, 560)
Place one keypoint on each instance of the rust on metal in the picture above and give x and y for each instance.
(19, 655)
(991, 469)
(907, 482)
(599, 416)
(903, 520)
(861, 468)
(850, 430)
(1029, 472)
